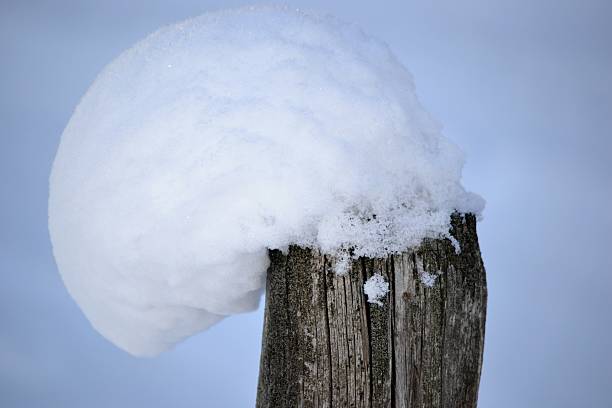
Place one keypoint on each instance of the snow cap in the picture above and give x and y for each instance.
(215, 139)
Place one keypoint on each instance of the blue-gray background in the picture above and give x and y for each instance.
(525, 87)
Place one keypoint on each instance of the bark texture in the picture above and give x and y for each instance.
(324, 345)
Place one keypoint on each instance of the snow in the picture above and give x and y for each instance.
(217, 138)
(455, 243)
(343, 264)
(376, 288)
(429, 279)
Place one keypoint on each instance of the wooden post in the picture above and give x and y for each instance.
(324, 345)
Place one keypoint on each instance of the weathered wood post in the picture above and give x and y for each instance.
(324, 345)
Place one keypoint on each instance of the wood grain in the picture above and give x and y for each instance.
(324, 345)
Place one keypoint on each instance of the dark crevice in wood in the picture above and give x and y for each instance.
(364, 278)
(329, 349)
(443, 298)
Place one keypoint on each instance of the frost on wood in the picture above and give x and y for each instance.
(218, 138)
(429, 279)
(376, 288)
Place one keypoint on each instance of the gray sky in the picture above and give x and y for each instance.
(524, 87)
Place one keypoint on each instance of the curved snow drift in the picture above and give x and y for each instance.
(219, 137)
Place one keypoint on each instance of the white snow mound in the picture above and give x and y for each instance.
(376, 288)
(217, 138)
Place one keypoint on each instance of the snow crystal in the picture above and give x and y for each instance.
(455, 243)
(343, 264)
(376, 288)
(217, 138)
(429, 279)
